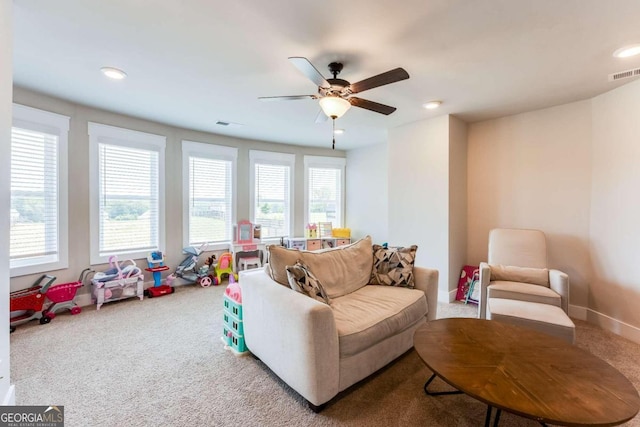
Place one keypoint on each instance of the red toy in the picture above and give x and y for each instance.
(62, 296)
(155, 261)
(26, 304)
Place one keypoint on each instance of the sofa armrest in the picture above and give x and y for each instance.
(485, 278)
(426, 279)
(559, 282)
(294, 335)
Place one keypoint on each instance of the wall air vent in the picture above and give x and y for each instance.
(624, 74)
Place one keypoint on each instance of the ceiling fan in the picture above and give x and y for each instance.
(335, 94)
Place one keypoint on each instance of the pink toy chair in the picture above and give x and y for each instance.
(225, 266)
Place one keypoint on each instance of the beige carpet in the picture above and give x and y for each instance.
(160, 362)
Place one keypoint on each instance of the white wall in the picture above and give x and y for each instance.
(367, 192)
(6, 81)
(615, 209)
(79, 177)
(457, 200)
(533, 170)
(419, 192)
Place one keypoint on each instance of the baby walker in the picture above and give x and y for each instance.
(155, 261)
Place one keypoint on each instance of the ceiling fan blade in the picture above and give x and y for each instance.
(370, 105)
(321, 117)
(286, 98)
(392, 76)
(309, 70)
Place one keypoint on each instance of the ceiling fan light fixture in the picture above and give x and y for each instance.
(627, 51)
(432, 105)
(334, 106)
(113, 73)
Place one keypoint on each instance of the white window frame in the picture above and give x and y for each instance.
(331, 163)
(99, 133)
(272, 158)
(210, 151)
(55, 124)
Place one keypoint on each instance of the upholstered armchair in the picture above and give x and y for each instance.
(517, 287)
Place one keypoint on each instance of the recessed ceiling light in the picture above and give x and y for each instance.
(432, 105)
(113, 73)
(627, 51)
(338, 131)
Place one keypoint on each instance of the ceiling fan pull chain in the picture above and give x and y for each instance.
(333, 146)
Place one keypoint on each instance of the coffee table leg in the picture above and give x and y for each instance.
(496, 420)
(437, 393)
(487, 419)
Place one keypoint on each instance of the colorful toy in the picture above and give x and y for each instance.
(311, 231)
(120, 281)
(233, 330)
(62, 296)
(187, 268)
(155, 261)
(225, 267)
(26, 304)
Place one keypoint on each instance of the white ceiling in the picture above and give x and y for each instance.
(191, 63)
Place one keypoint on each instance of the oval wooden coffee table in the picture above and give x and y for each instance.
(525, 372)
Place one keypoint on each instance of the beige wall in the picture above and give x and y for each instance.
(419, 192)
(533, 170)
(615, 206)
(6, 81)
(367, 192)
(427, 195)
(79, 176)
(457, 199)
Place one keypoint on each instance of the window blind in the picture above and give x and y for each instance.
(210, 200)
(271, 201)
(325, 195)
(128, 195)
(34, 196)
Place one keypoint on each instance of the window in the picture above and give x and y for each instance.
(209, 174)
(324, 189)
(272, 192)
(127, 192)
(39, 224)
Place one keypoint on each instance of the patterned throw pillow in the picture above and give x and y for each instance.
(301, 279)
(393, 266)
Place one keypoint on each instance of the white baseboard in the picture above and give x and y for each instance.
(623, 329)
(447, 296)
(578, 312)
(10, 398)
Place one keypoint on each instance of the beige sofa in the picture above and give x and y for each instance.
(319, 349)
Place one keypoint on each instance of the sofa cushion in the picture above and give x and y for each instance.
(302, 280)
(523, 292)
(373, 313)
(393, 266)
(341, 270)
(535, 276)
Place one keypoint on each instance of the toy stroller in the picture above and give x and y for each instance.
(62, 296)
(26, 304)
(187, 268)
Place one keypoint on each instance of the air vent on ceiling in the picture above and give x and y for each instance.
(624, 74)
